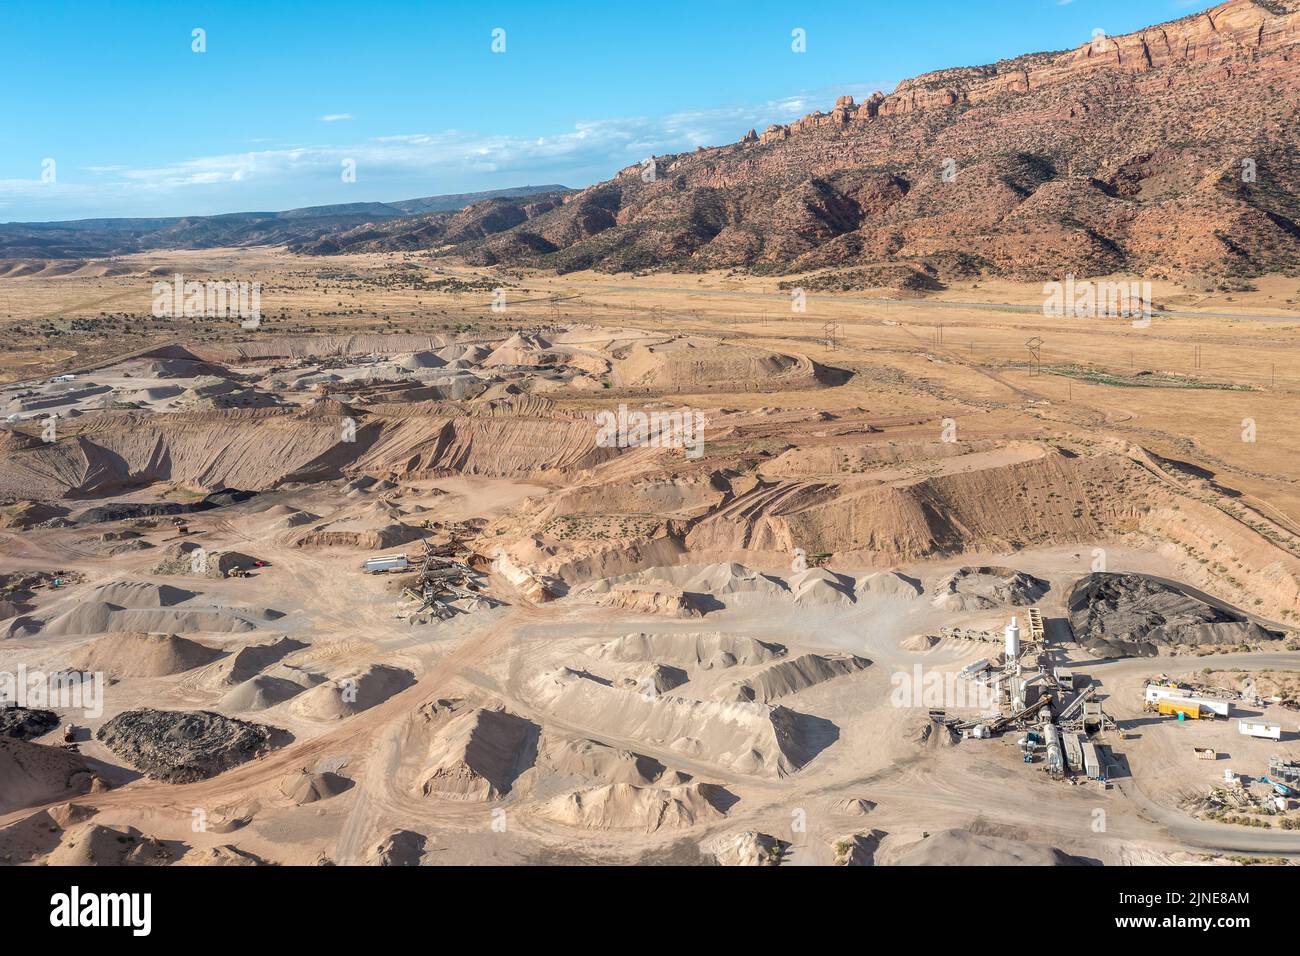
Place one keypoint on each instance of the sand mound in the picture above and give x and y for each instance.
(420, 360)
(858, 849)
(817, 587)
(157, 393)
(32, 774)
(399, 848)
(793, 675)
(297, 519)
(69, 814)
(100, 617)
(144, 655)
(708, 650)
(137, 594)
(706, 586)
(259, 693)
(93, 844)
(305, 787)
(669, 602)
(369, 539)
(346, 696)
(184, 746)
(596, 761)
(1133, 615)
(748, 848)
(479, 754)
(224, 855)
(250, 661)
(470, 354)
(733, 580)
(887, 585)
(919, 643)
(622, 806)
(655, 678)
(853, 806)
(933, 734)
(686, 362)
(975, 589)
(744, 737)
(963, 848)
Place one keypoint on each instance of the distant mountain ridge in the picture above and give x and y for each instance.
(97, 238)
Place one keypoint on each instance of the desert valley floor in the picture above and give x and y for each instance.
(652, 653)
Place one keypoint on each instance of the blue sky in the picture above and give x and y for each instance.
(138, 124)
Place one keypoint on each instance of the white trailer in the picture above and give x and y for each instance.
(1091, 761)
(1257, 728)
(1220, 708)
(391, 562)
(1156, 693)
(1159, 692)
(1074, 751)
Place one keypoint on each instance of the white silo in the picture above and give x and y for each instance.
(1013, 641)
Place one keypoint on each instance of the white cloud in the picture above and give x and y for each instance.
(335, 117)
(399, 166)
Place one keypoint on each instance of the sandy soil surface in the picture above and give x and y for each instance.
(670, 651)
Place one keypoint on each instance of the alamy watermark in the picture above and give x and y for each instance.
(1090, 300)
(940, 690)
(180, 298)
(682, 428)
(63, 690)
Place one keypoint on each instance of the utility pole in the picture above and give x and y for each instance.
(1035, 346)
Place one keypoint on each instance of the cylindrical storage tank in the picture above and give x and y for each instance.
(1013, 641)
(1055, 758)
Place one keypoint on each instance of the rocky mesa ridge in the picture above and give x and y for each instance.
(1163, 152)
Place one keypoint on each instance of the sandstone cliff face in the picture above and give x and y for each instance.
(1167, 151)
(1241, 28)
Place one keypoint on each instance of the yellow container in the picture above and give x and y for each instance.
(1169, 708)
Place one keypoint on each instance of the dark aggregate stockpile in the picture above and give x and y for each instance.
(976, 588)
(126, 511)
(1130, 615)
(26, 724)
(184, 746)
